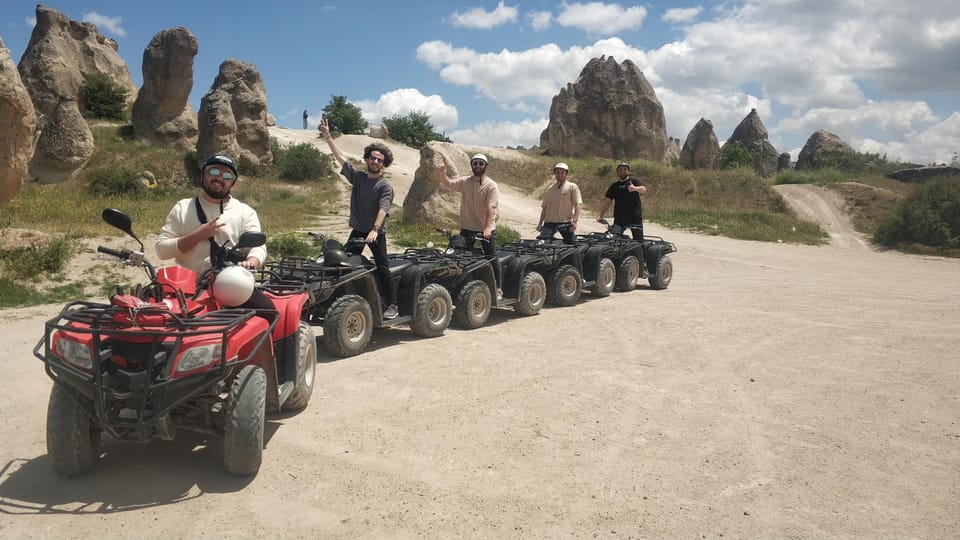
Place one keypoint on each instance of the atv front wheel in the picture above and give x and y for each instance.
(73, 442)
(627, 273)
(306, 369)
(565, 285)
(433, 311)
(533, 293)
(473, 305)
(606, 278)
(246, 409)
(348, 326)
(661, 278)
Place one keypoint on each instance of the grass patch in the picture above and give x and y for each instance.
(760, 226)
(13, 294)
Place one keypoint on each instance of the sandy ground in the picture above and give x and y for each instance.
(772, 391)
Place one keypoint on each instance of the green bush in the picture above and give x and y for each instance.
(344, 117)
(102, 98)
(735, 155)
(301, 162)
(290, 245)
(413, 129)
(30, 261)
(929, 216)
(855, 162)
(113, 179)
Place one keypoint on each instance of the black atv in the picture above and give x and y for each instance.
(347, 300)
(639, 259)
(559, 264)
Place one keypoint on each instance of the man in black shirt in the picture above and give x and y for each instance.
(627, 207)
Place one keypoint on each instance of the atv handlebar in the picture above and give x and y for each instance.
(118, 253)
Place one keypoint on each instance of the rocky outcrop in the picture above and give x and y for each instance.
(64, 146)
(60, 52)
(162, 113)
(17, 123)
(752, 134)
(922, 174)
(426, 201)
(820, 143)
(701, 150)
(233, 116)
(610, 111)
(783, 162)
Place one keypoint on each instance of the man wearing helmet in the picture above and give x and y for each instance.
(479, 200)
(560, 209)
(214, 217)
(627, 207)
(370, 199)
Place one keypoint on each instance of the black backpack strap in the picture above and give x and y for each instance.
(203, 219)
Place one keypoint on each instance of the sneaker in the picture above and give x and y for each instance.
(391, 312)
(499, 294)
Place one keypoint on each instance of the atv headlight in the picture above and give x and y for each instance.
(198, 357)
(76, 354)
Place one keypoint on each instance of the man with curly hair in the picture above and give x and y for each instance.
(370, 199)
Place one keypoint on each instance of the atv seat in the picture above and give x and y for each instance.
(397, 266)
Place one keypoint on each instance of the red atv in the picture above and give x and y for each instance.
(168, 357)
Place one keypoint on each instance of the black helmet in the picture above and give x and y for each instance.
(220, 159)
(336, 257)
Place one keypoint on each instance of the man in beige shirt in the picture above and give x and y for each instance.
(560, 209)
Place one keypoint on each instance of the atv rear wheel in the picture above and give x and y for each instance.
(348, 326)
(473, 305)
(73, 442)
(661, 278)
(627, 273)
(306, 369)
(565, 286)
(606, 278)
(533, 293)
(246, 409)
(433, 311)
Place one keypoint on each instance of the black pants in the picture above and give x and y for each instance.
(489, 247)
(262, 304)
(379, 249)
(636, 229)
(551, 228)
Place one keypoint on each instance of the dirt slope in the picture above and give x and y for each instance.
(772, 391)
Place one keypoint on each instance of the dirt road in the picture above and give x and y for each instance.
(772, 391)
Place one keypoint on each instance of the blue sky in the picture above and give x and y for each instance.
(882, 74)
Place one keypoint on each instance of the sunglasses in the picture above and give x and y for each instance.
(228, 176)
(377, 159)
(478, 163)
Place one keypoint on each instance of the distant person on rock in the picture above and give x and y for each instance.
(305, 116)
(370, 199)
(627, 207)
(560, 209)
(479, 200)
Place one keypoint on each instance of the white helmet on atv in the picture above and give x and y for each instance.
(233, 286)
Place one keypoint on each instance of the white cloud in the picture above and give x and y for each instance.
(681, 15)
(936, 144)
(402, 101)
(480, 18)
(540, 20)
(598, 18)
(525, 133)
(112, 25)
(31, 21)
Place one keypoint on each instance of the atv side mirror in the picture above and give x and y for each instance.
(251, 239)
(118, 219)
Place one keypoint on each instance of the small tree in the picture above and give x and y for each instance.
(344, 117)
(735, 155)
(413, 129)
(101, 97)
(301, 162)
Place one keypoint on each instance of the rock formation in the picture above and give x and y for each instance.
(752, 134)
(701, 150)
(783, 162)
(426, 201)
(821, 142)
(60, 52)
(609, 111)
(64, 146)
(233, 116)
(162, 113)
(922, 174)
(17, 122)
